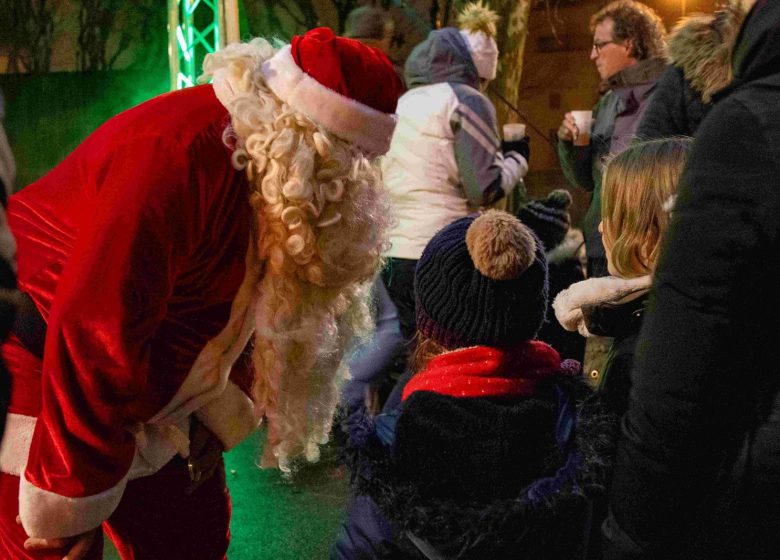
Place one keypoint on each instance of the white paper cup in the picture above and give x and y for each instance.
(583, 120)
(514, 131)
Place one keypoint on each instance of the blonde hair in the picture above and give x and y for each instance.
(321, 222)
(637, 184)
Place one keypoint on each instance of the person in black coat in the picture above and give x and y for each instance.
(698, 463)
(699, 54)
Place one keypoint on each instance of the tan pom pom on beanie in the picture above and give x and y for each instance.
(482, 280)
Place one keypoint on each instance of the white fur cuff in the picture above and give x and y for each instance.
(568, 304)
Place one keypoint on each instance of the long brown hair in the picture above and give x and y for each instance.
(637, 184)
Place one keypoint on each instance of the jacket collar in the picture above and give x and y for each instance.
(616, 318)
(641, 73)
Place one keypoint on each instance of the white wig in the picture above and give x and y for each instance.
(321, 218)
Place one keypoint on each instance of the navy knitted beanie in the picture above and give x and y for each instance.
(482, 280)
(548, 217)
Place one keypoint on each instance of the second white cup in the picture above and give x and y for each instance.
(583, 120)
(514, 131)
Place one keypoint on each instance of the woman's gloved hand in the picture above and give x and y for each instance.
(522, 147)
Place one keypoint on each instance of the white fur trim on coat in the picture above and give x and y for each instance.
(207, 380)
(64, 516)
(351, 120)
(568, 303)
(154, 445)
(16, 443)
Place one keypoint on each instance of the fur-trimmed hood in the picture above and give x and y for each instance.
(545, 521)
(701, 46)
(569, 303)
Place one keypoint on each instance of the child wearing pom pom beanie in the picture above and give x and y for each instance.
(549, 219)
(493, 451)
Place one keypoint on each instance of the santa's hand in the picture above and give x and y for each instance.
(205, 455)
(77, 546)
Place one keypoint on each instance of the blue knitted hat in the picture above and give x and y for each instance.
(482, 280)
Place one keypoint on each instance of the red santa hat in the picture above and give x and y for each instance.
(348, 88)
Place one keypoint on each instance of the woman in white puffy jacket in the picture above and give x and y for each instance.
(446, 158)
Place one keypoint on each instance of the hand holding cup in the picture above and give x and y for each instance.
(568, 129)
(582, 121)
(515, 140)
(575, 127)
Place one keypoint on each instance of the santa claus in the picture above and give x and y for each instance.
(178, 232)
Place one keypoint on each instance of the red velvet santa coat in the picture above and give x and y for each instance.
(133, 249)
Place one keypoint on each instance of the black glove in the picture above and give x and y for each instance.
(522, 147)
(205, 458)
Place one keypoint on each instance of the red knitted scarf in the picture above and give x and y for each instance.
(487, 372)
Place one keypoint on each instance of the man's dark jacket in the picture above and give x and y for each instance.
(615, 119)
(698, 465)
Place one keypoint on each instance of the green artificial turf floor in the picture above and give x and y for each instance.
(278, 520)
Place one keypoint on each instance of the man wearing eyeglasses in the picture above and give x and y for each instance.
(628, 41)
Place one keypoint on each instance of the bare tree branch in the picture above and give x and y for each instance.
(27, 27)
(108, 28)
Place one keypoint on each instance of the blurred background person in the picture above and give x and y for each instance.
(628, 44)
(371, 26)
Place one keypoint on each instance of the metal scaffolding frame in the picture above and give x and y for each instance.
(195, 29)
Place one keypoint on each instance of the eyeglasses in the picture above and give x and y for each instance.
(598, 45)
